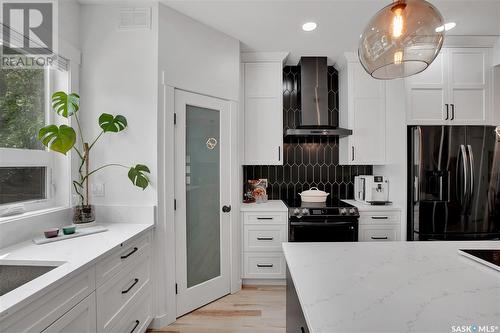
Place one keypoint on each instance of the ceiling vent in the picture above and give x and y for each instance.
(135, 18)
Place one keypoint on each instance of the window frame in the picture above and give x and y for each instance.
(18, 157)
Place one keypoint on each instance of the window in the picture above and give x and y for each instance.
(26, 167)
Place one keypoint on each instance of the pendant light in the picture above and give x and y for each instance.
(401, 40)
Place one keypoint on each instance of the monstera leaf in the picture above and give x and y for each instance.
(138, 175)
(60, 139)
(65, 105)
(108, 123)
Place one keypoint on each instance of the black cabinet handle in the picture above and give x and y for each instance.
(279, 153)
(130, 253)
(302, 330)
(447, 111)
(131, 286)
(265, 265)
(379, 218)
(265, 218)
(265, 238)
(135, 326)
(380, 237)
(352, 148)
(226, 209)
(452, 111)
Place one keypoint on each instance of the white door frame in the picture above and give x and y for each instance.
(165, 298)
(191, 298)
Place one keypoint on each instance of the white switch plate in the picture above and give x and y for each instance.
(97, 189)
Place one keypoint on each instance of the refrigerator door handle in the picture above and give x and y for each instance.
(462, 153)
(472, 171)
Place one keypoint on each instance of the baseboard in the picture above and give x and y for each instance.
(160, 322)
(269, 282)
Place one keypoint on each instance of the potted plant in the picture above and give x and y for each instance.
(63, 138)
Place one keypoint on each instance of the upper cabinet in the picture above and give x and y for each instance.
(262, 76)
(454, 90)
(363, 110)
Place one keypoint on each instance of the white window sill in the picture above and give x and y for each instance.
(33, 213)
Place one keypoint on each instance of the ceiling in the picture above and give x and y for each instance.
(276, 25)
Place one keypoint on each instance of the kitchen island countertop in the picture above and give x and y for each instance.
(393, 286)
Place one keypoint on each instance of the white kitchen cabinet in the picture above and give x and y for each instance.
(454, 90)
(263, 108)
(375, 225)
(101, 298)
(263, 233)
(80, 319)
(363, 110)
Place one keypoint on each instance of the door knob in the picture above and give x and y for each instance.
(226, 209)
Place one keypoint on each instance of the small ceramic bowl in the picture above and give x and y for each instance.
(69, 230)
(51, 233)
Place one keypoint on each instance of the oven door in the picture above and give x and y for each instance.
(327, 231)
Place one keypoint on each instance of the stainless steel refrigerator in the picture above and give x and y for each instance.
(453, 183)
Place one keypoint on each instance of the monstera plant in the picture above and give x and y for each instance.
(63, 138)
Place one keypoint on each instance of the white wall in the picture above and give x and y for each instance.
(196, 57)
(119, 76)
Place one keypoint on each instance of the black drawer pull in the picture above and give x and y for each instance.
(265, 218)
(380, 237)
(135, 326)
(380, 217)
(130, 253)
(265, 265)
(265, 238)
(131, 286)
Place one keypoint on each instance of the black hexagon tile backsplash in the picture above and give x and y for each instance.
(308, 162)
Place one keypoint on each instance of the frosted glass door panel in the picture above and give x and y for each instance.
(202, 195)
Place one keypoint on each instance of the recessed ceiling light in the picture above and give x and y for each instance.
(446, 27)
(309, 26)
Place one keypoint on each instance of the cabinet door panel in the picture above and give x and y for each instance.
(261, 79)
(263, 131)
(469, 84)
(369, 131)
(426, 93)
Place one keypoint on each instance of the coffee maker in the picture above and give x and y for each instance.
(373, 190)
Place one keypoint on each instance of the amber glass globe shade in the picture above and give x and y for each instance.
(401, 40)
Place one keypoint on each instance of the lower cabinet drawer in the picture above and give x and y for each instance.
(119, 291)
(379, 217)
(137, 316)
(264, 266)
(264, 238)
(378, 233)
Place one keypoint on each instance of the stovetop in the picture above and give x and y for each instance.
(333, 209)
(331, 202)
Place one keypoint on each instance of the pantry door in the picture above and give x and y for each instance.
(202, 192)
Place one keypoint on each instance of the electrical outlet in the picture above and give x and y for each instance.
(97, 189)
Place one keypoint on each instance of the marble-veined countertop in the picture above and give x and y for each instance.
(393, 286)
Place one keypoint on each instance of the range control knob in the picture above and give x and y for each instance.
(296, 212)
(352, 211)
(305, 211)
(343, 211)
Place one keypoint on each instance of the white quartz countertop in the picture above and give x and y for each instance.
(393, 286)
(71, 254)
(269, 206)
(364, 207)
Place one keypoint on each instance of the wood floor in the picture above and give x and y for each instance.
(255, 309)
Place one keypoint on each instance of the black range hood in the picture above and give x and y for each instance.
(314, 101)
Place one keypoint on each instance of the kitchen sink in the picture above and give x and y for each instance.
(15, 275)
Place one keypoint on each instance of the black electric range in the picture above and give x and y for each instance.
(331, 221)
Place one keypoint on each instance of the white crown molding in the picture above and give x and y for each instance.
(264, 56)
